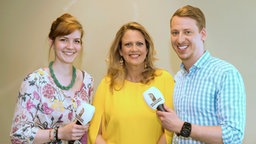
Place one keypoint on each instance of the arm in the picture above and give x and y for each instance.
(23, 126)
(168, 88)
(71, 131)
(95, 129)
(207, 134)
(26, 125)
(99, 138)
(231, 107)
(231, 110)
(162, 139)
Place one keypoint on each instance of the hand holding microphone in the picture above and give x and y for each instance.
(85, 114)
(154, 98)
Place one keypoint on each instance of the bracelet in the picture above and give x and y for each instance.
(50, 132)
(54, 134)
(57, 139)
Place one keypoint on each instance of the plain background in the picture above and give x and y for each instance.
(25, 24)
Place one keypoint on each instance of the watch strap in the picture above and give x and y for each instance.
(185, 130)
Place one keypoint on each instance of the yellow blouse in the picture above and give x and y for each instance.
(125, 116)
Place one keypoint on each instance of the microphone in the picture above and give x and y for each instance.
(154, 98)
(85, 114)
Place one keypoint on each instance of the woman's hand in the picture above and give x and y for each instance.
(72, 131)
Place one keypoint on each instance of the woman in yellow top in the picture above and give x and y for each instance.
(122, 116)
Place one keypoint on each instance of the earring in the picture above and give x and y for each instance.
(145, 66)
(121, 61)
(145, 63)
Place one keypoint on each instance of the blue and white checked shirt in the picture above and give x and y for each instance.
(211, 94)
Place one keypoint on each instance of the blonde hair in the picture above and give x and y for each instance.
(117, 72)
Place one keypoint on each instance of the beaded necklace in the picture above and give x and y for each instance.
(58, 83)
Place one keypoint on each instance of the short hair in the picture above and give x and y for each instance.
(191, 12)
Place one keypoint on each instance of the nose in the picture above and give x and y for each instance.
(134, 47)
(181, 38)
(70, 44)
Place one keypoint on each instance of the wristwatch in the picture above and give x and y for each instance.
(185, 130)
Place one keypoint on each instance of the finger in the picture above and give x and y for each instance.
(167, 108)
(160, 114)
(81, 127)
(77, 136)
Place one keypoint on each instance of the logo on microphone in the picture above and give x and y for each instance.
(154, 100)
(79, 116)
(85, 113)
(153, 97)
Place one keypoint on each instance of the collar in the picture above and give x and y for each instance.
(199, 63)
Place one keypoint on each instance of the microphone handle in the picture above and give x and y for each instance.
(161, 108)
(78, 122)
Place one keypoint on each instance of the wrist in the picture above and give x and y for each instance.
(55, 133)
(185, 130)
(60, 133)
(51, 135)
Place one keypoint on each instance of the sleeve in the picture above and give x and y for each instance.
(98, 102)
(232, 107)
(23, 129)
(89, 84)
(168, 88)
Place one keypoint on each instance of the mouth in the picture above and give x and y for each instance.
(134, 55)
(69, 52)
(182, 47)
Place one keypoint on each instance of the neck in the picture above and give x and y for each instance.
(64, 70)
(56, 81)
(188, 63)
(134, 74)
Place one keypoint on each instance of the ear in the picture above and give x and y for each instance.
(203, 34)
(50, 42)
(120, 52)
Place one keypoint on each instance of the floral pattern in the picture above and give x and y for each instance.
(42, 105)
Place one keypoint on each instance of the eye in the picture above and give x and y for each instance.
(77, 41)
(188, 32)
(139, 44)
(174, 33)
(128, 44)
(63, 39)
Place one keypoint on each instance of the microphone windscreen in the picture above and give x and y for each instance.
(153, 97)
(85, 113)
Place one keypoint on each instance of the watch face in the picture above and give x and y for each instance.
(186, 129)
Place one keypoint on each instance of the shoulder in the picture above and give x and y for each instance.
(87, 76)
(163, 73)
(163, 77)
(105, 81)
(34, 80)
(220, 66)
(36, 75)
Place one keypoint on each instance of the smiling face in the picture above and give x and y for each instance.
(187, 40)
(133, 48)
(67, 47)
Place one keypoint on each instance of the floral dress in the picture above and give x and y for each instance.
(42, 105)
